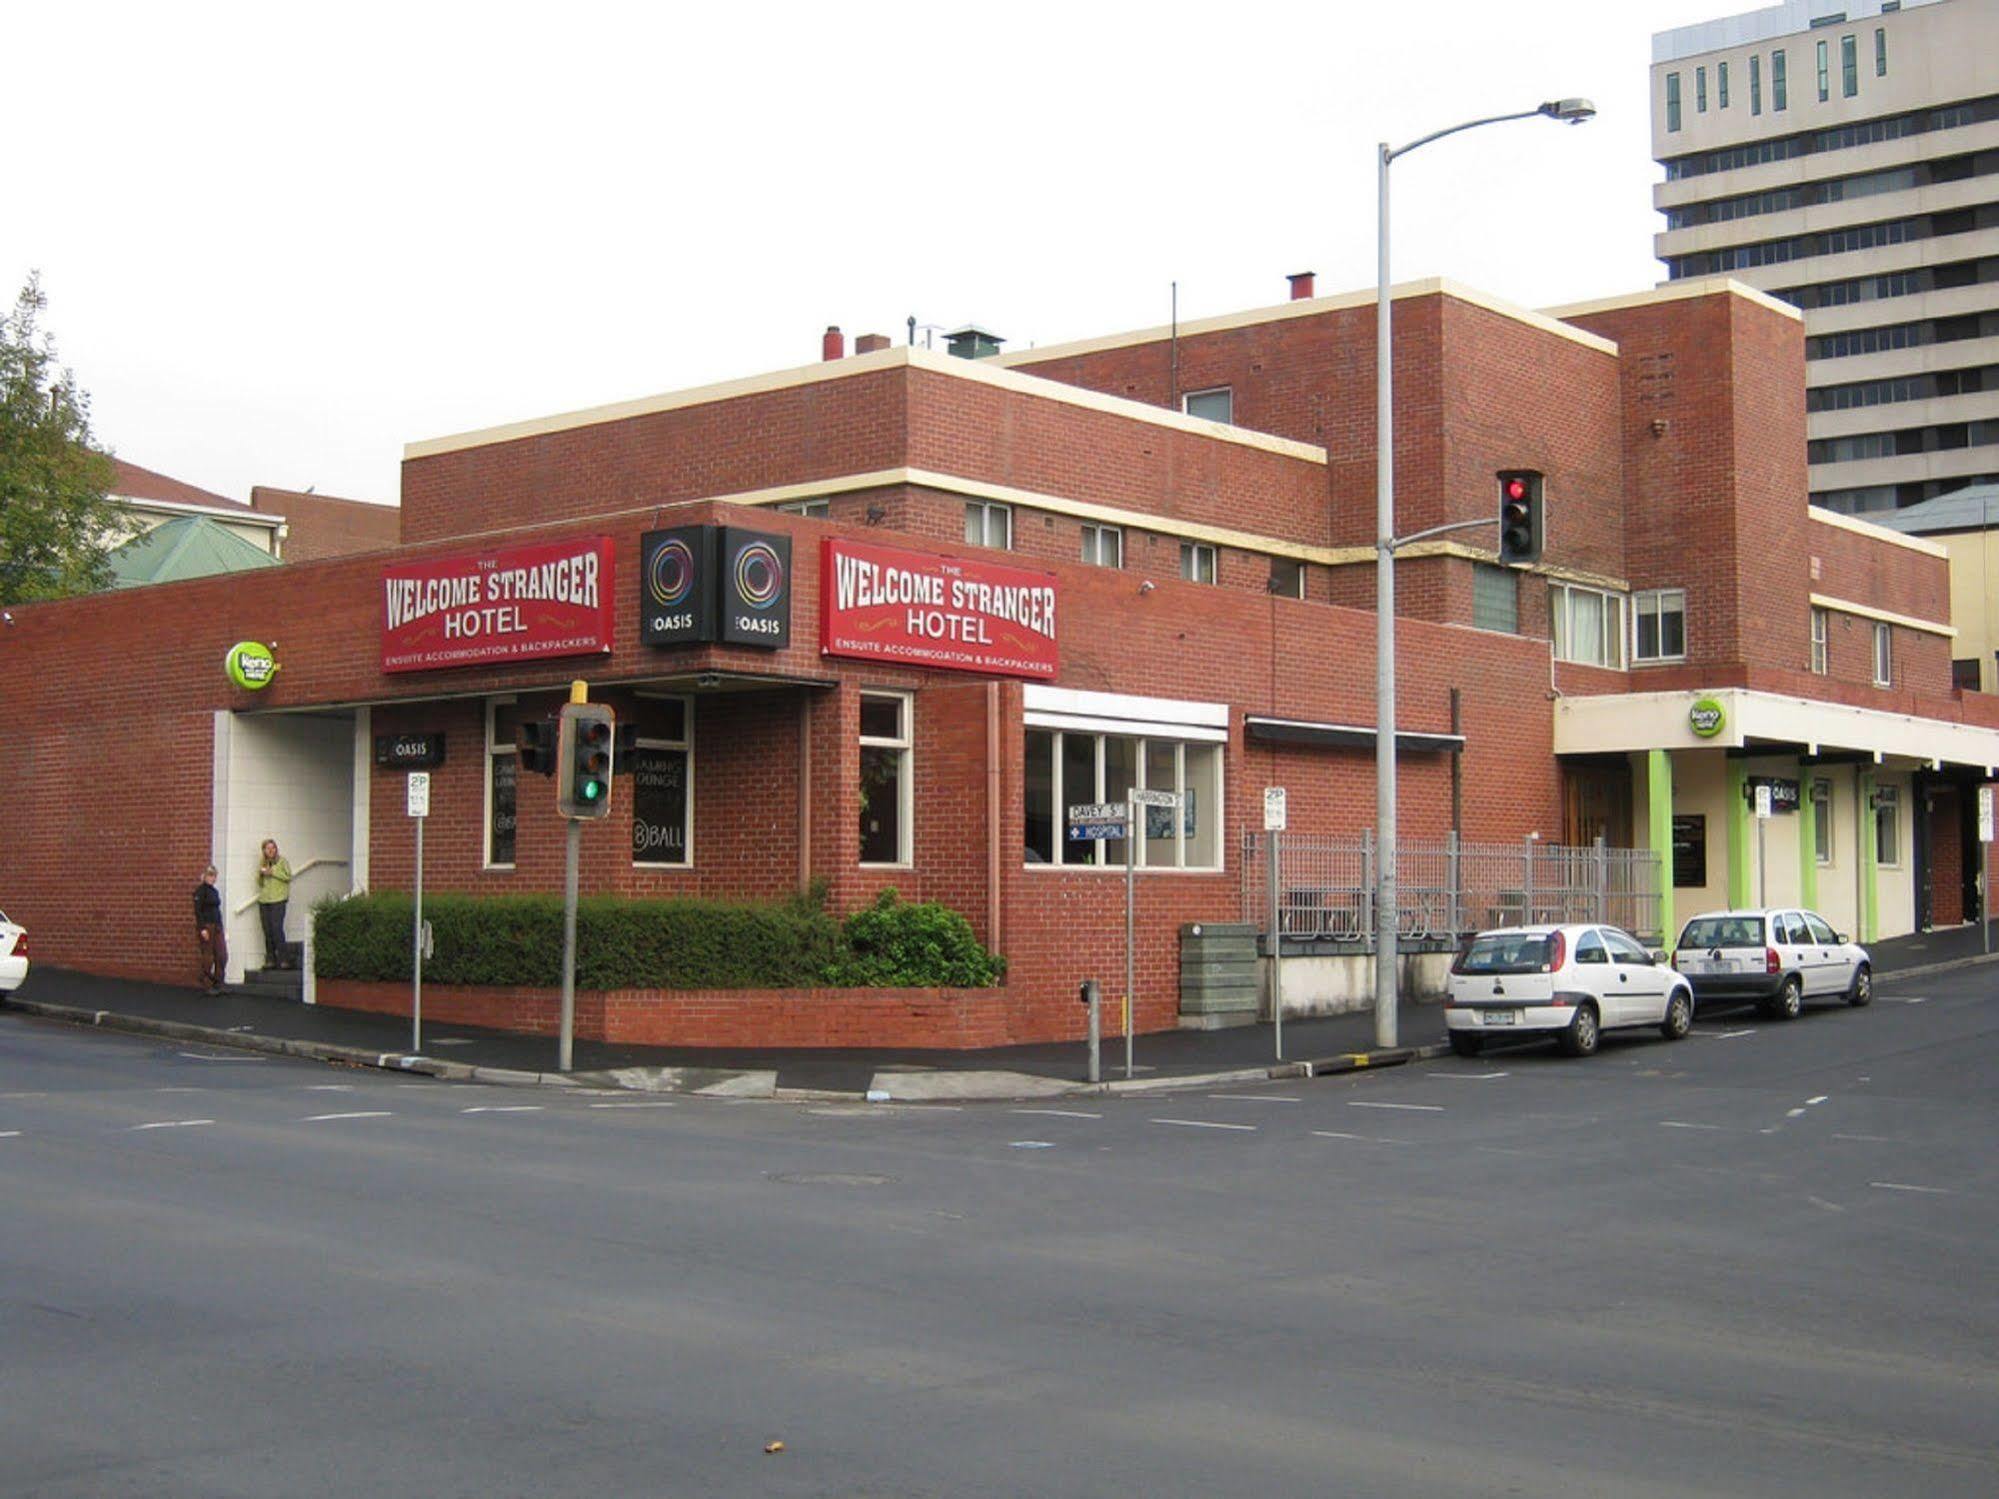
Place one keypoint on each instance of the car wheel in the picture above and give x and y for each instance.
(1679, 1016)
(1583, 1033)
(1465, 1044)
(1786, 1002)
(1862, 991)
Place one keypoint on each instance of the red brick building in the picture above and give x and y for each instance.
(1148, 597)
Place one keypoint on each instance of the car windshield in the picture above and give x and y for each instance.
(1504, 952)
(1723, 931)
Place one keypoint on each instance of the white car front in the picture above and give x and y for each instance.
(13, 955)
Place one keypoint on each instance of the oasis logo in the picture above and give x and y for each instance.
(715, 583)
(1705, 718)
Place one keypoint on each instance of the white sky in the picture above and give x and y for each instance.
(279, 242)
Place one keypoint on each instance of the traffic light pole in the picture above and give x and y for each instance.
(568, 1041)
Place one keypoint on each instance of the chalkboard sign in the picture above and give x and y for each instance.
(1690, 850)
(506, 774)
(659, 806)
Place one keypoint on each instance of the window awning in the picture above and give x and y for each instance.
(1121, 713)
(1346, 736)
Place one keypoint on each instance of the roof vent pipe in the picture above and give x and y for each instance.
(1301, 284)
(833, 343)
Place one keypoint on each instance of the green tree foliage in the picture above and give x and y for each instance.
(53, 476)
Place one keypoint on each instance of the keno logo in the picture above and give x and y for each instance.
(1705, 718)
(249, 663)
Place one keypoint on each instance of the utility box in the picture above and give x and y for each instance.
(1218, 982)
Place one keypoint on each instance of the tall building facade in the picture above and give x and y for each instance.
(1843, 155)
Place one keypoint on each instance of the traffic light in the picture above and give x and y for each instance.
(583, 760)
(536, 742)
(1520, 515)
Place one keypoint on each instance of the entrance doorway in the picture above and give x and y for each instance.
(1596, 803)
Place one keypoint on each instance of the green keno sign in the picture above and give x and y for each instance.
(1705, 718)
(250, 664)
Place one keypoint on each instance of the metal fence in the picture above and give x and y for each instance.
(1446, 890)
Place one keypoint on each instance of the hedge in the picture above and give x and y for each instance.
(651, 944)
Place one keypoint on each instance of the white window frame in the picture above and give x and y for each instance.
(494, 752)
(905, 744)
(1095, 538)
(1821, 633)
(685, 744)
(1144, 745)
(980, 516)
(810, 509)
(1188, 399)
(1287, 593)
(1888, 802)
(1884, 655)
(1192, 555)
(1821, 804)
(1561, 629)
(1655, 600)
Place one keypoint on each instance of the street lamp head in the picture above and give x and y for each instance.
(1575, 111)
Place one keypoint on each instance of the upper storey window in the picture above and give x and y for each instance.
(1672, 101)
(1779, 96)
(1217, 405)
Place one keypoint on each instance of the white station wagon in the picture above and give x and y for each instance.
(1779, 958)
(1571, 982)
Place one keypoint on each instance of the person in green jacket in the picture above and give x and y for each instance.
(274, 889)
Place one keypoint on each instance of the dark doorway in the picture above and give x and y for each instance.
(1596, 803)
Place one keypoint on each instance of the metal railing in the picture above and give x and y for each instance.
(1448, 889)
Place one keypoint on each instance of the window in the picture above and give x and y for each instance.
(663, 783)
(1825, 77)
(989, 524)
(1820, 929)
(1721, 85)
(1659, 625)
(1066, 768)
(1700, 91)
(885, 778)
(1820, 621)
(1217, 405)
(1777, 99)
(1888, 825)
(1103, 546)
(1672, 101)
(1588, 625)
(1287, 578)
(1822, 821)
(503, 764)
(1880, 52)
(812, 509)
(1884, 661)
(1495, 598)
(1964, 674)
(1756, 84)
(1197, 562)
(1590, 949)
(1849, 67)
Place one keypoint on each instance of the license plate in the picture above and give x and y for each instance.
(1502, 1017)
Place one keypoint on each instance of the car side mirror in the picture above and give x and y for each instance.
(1659, 956)
(1841, 937)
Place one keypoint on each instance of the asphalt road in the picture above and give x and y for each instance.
(1758, 1261)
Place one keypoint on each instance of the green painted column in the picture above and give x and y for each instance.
(1741, 835)
(1659, 833)
(1808, 854)
(1863, 834)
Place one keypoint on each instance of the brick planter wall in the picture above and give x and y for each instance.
(945, 1019)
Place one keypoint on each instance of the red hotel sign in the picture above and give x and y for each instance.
(553, 598)
(883, 604)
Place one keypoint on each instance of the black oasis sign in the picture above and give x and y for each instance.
(409, 751)
(715, 583)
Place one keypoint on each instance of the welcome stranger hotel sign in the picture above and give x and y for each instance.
(521, 603)
(884, 604)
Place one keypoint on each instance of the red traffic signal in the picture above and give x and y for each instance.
(1521, 518)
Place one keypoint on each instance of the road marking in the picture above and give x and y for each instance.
(503, 1108)
(1059, 1113)
(1470, 1077)
(1820, 1202)
(1809, 1102)
(1794, 1113)
(663, 1103)
(1030, 1145)
(1417, 1108)
(180, 1090)
(1910, 1187)
(1202, 1124)
(1337, 1134)
(1677, 1124)
(359, 1114)
(329, 1087)
(1725, 1035)
(173, 1124)
(10, 1134)
(23, 1095)
(1256, 1097)
(1871, 1139)
(195, 1056)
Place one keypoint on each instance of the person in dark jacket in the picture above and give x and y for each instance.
(208, 931)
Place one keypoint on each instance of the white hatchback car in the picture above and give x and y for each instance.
(13, 955)
(1571, 982)
(1779, 958)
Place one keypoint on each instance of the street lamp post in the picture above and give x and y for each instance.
(1386, 922)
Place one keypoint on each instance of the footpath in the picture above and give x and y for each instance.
(1173, 1059)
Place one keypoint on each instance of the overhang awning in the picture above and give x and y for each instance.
(1346, 736)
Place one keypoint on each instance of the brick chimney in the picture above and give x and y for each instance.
(833, 343)
(1301, 284)
(871, 343)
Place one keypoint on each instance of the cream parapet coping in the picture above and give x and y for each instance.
(1886, 616)
(1673, 291)
(980, 371)
(1877, 533)
(1309, 307)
